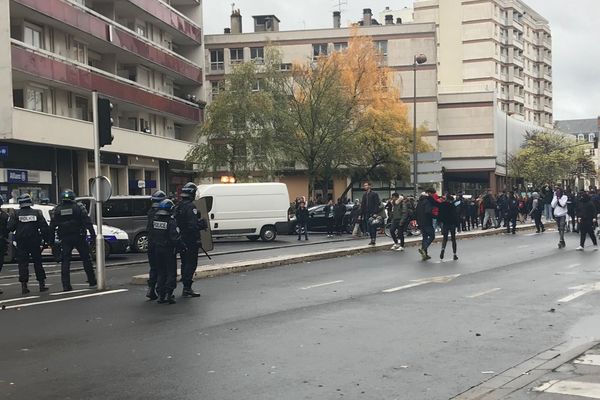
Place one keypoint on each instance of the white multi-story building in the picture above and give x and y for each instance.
(146, 56)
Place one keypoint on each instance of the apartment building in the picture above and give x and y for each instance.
(499, 45)
(398, 43)
(146, 56)
(585, 131)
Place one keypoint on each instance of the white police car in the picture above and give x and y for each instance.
(116, 240)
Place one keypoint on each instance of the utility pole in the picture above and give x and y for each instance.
(100, 266)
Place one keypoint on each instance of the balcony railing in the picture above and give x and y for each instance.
(47, 65)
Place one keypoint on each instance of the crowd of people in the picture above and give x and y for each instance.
(456, 212)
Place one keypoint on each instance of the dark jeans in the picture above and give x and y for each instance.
(25, 250)
(189, 263)
(428, 235)
(510, 220)
(3, 246)
(451, 230)
(152, 277)
(373, 228)
(537, 217)
(166, 270)
(81, 245)
(330, 226)
(339, 225)
(397, 230)
(300, 226)
(587, 228)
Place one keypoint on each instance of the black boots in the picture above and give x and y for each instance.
(151, 293)
(169, 298)
(67, 288)
(24, 289)
(43, 287)
(189, 292)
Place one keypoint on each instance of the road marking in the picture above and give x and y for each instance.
(320, 285)
(571, 388)
(573, 266)
(483, 293)
(71, 291)
(67, 299)
(523, 246)
(581, 291)
(532, 234)
(589, 359)
(425, 281)
(18, 299)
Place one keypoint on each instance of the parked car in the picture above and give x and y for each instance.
(254, 210)
(116, 240)
(129, 213)
(317, 220)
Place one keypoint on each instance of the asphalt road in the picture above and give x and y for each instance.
(377, 326)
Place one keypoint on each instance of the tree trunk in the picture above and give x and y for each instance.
(363, 176)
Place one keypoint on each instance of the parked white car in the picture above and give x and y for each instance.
(116, 240)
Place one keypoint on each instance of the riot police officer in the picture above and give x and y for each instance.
(3, 234)
(164, 238)
(71, 222)
(190, 224)
(157, 197)
(31, 231)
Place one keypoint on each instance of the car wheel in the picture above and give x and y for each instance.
(253, 238)
(140, 244)
(268, 233)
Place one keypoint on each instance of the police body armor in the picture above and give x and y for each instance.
(68, 219)
(28, 224)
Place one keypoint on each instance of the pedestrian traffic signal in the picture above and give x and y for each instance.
(105, 122)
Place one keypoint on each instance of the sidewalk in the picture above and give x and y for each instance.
(255, 260)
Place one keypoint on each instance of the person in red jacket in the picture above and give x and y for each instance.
(435, 212)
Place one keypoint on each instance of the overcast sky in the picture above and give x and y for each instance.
(574, 24)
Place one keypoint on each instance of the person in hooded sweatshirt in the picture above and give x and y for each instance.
(559, 204)
(586, 215)
(537, 210)
(448, 216)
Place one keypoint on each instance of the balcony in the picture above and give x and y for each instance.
(45, 65)
(548, 92)
(52, 130)
(518, 61)
(105, 31)
(518, 79)
(548, 76)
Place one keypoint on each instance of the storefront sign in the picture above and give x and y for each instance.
(16, 176)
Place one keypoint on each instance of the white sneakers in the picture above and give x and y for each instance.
(397, 247)
(579, 248)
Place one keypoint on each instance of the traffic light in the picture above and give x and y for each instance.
(105, 122)
(596, 142)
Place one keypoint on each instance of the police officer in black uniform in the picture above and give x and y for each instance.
(3, 235)
(31, 231)
(72, 221)
(164, 237)
(157, 197)
(190, 224)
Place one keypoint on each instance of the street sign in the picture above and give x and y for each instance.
(426, 168)
(105, 188)
(428, 157)
(428, 178)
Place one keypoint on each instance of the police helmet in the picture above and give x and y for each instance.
(165, 207)
(157, 197)
(188, 191)
(67, 195)
(25, 200)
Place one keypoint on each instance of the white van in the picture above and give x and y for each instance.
(254, 210)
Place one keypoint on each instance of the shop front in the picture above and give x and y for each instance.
(15, 182)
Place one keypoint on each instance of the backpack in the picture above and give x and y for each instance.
(411, 210)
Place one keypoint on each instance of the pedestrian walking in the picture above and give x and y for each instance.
(547, 196)
(489, 205)
(70, 223)
(3, 235)
(586, 215)
(559, 204)
(450, 221)
(302, 220)
(165, 239)
(31, 232)
(511, 212)
(572, 209)
(370, 206)
(328, 210)
(339, 212)
(424, 214)
(537, 209)
(190, 223)
(398, 217)
(155, 200)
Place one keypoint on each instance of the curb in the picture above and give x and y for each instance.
(245, 266)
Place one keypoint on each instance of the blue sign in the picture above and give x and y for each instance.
(3, 151)
(16, 176)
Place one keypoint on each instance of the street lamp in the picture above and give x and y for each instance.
(508, 114)
(418, 60)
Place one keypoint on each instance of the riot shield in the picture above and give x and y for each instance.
(206, 240)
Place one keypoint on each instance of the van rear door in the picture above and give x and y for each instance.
(118, 213)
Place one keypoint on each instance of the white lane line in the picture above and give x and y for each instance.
(69, 292)
(425, 281)
(67, 299)
(523, 246)
(412, 285)
(531, 234)
(589, 359)
(573, 266)
(18, 299)
(581, 291)
(573, 296)
(320, 285)
(571, 388)
(483, 293)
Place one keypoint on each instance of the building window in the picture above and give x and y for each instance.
(32, 35)
(217, 60)
(340, 47)
(141, 30)
(79, 52)
(236, 55)
(256, 86)
(591, 137)
(132, 124)
(216, 87)
(36, 99)
(81, 108)
(257, 54)
(319, 49)
(285, 67)
(382, 47)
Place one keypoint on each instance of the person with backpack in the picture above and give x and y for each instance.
(537, 210)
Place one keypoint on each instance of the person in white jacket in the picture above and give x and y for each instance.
(559, 204)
